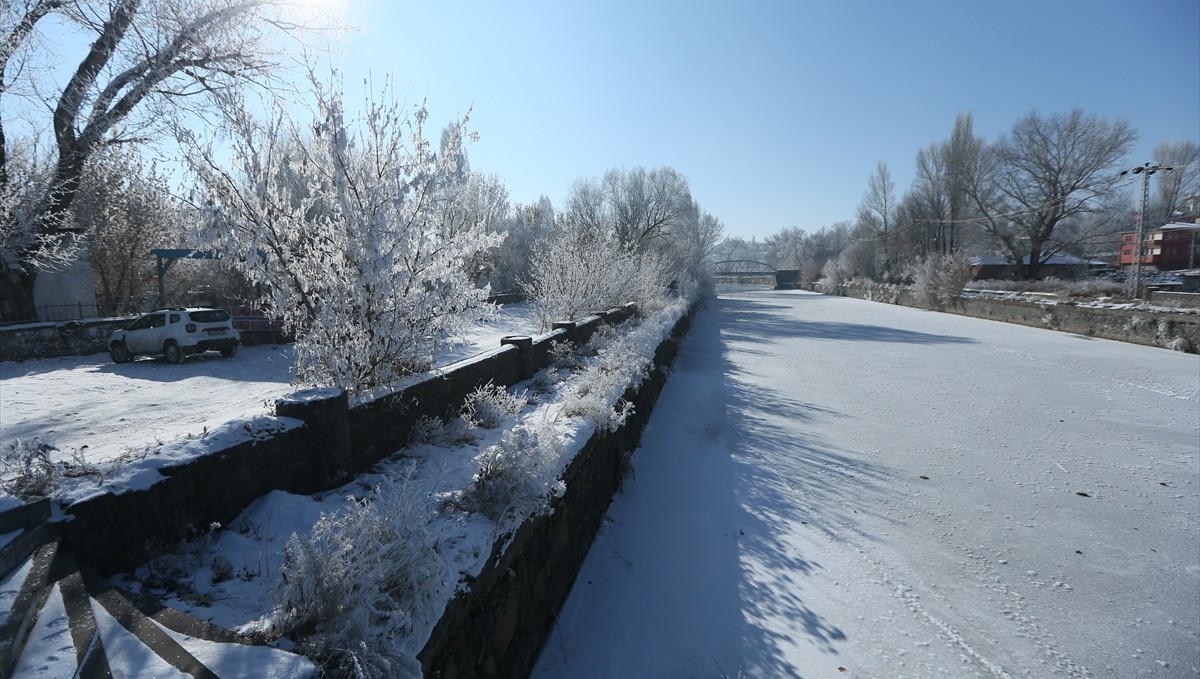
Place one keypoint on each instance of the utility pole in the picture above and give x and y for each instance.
(1147, 169)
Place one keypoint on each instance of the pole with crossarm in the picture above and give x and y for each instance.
(1147, 169)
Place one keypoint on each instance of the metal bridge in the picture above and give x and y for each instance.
(743, 268)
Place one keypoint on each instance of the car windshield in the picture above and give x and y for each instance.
(209, 316)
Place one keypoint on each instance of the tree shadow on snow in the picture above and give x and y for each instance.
(256, 364)
(783, 483)
(699, 570)
(755, 321)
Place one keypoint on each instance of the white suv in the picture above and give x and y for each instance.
(175, 333)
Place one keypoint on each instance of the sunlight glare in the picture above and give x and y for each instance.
(333, 11)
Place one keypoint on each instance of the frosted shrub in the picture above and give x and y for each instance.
(26, 471)
(1179, 344)
(513, 480)
(939, 279)
(357, 231)
(356, 585)
(604, 337)
(438, 432)
(833, 276)
(582, 271)
(591, 399)
(882, 292)
(491, 404)
(563, 355)
(486, 407)
(596, 394)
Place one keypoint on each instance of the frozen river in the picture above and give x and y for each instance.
(837, 488)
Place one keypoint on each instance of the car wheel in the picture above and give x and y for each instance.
(119, 353)
(173, 352)
(229, 350)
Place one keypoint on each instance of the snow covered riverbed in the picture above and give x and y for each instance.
(838, 488)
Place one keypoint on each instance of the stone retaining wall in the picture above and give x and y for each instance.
(1179, 331)
(49, 340)
(1190, 300)
(323, 444)
(82, 338)
(497, 626)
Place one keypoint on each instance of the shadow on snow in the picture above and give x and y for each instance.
(755, 321)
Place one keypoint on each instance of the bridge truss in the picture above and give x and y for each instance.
(742, 268)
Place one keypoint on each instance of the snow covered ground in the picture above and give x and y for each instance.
(233, 575)
(837, 488)
(89, 406)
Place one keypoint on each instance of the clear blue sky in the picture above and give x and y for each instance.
(776, 111)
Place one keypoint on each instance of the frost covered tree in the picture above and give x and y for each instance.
(628, 236)
(483, 207)
(860, 259)
(344, 224)
(638, 207)
(795, 248)
(731, 248)
(529, 228)
(688, 248)
(646, 205)
(126, 207)
(785, 248)
(833, 275)
(145, 63)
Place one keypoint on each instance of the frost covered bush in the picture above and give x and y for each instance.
(491, 404)
(27, 471)
(355, 587)
(356, 230)
(514, 478)
(438, 432)
(604, 336)
(1179, 344)
(563, 355)
(939, 279)
(591, 398)
(582, 271)
(486, 407)
(595, 407)
(833, 276)
(596, 393)
(882, 292)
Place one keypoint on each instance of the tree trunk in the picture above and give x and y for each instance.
(1034, 267)
(16, 296)
(16, 286)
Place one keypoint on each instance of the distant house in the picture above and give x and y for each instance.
(994, 267)
(1170, 247)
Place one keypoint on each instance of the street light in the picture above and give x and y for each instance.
(1147, 169)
